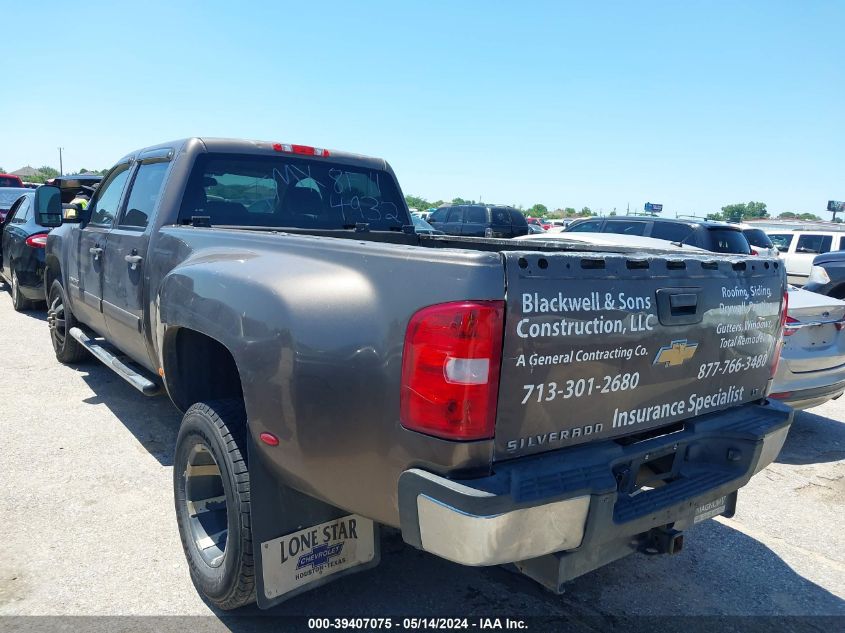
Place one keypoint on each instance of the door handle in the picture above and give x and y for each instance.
(133, 261)
(96, 251)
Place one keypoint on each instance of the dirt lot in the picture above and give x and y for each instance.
(88, 526)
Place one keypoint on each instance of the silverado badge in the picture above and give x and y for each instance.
(676, 353)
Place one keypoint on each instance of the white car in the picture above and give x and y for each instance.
(799, 248)
(812, 362)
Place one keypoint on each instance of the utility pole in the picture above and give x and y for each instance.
(61, 171)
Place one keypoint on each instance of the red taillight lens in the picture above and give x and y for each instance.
(450, 369)
(754, 251)
(779, 345)
(306, 150)
(37, 241)
(788, 331)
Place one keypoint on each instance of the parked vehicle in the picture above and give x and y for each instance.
(535, 229)
(718, 237)
(478, 220)
(798, 249)
(22, 242)
(827, 275)
(759, 241)
(812, 365)
(10, 180)
(498, 401)
(424, 228)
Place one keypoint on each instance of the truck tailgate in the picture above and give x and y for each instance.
(602, 346)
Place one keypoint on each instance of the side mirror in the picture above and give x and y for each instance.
(48, 206)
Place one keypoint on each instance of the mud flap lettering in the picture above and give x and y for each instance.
(293, 561)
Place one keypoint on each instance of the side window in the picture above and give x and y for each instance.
(25, 211)
(815, 244)
(671, 231)
(143, 196)
(456, 214)
(781, 240)
(625, 227)
(476, 215)
(16, 213)
(108, 197)
(438, 216)
(518, 218)
(590, 226)
(500, 215)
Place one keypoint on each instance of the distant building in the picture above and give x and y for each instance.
(26, 172)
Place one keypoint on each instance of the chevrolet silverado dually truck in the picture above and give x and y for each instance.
(542, 406)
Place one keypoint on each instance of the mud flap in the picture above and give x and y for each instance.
(300, 542)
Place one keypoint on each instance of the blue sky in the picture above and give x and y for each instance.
(691, 104)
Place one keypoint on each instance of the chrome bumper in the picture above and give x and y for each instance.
(580, 499)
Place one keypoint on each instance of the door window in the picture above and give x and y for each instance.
(590, 226)
(105, 206)
(781, 240)
(625, 227)
(813, 244)
(438, 216)
(476, 215)
(146, 188)
(17, 213)
(456, 214)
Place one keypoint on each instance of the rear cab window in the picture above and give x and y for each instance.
(284, 191)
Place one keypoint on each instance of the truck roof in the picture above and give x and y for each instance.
(246, 146)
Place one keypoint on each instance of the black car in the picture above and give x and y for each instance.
(711, 236)
(479, 220)
(22, 242)
(827, 276)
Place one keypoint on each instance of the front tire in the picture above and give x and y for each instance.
(19, 303)
(212, 497)
(60, 319)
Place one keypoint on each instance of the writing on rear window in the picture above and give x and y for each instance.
(282, 191)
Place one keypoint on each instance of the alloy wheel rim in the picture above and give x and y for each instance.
(56, 322)
(206, 510)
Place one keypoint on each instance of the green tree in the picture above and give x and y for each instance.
(48, 172)
(587, 211)
(2, 171)
(612, 213)
(416, 202)
(569, 212)
(741, 211)
(539, 210)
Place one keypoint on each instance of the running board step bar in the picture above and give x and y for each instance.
(133, 376)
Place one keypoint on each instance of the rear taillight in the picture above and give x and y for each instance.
(450, 369)
(779, 345)
(37, 241)
(754, 251)
(789, 331)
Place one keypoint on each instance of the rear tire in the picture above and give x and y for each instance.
(60, 319)
(19, 303)
(212, 496)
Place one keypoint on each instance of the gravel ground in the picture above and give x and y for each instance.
(88, 526)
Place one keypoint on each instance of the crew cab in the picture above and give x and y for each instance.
(553, 406)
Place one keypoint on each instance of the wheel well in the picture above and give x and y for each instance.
(199, 368)
(51, 273)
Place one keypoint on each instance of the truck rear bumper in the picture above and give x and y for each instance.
(593, 501)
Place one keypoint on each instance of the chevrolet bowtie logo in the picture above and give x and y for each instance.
(676, 353)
